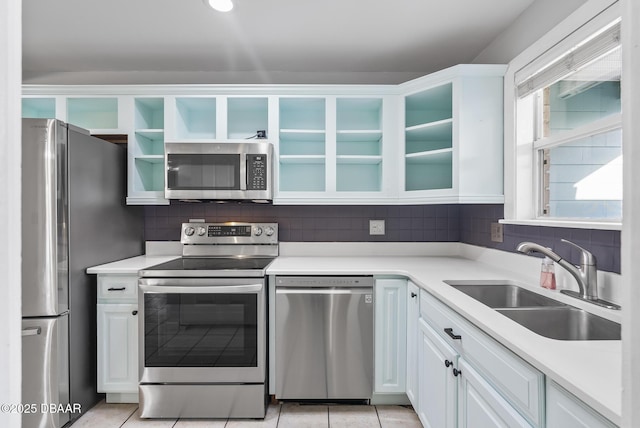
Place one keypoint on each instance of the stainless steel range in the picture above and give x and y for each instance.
(203, 324)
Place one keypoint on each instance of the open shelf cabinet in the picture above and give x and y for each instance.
(146, 152)
(39, 108)
(246, 116)
(95, 114)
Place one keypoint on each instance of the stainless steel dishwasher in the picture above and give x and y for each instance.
(324, 338)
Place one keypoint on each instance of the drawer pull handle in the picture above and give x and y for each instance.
(116, 288)
(449, 331)
(457, 372)
(413, 295)
(134, 313)
(448, 363)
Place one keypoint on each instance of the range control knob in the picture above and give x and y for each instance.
(270, 231)
(201, 231)
(189, 231)
(257, 231)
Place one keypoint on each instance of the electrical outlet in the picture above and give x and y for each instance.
(496, 232)
(376, 227)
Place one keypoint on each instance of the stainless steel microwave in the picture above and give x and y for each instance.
(219, 171)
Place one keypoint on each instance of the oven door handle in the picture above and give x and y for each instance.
(185, 289)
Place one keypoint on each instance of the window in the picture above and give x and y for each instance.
(568, 130)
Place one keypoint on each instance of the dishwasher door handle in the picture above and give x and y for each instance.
(345, 290)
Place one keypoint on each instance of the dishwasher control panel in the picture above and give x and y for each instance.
(324, 281)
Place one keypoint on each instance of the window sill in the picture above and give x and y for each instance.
(575, 224)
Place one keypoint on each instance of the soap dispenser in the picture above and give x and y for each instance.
(547, 274)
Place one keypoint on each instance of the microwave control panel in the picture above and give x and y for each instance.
(257, 172)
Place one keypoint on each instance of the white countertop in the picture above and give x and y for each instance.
(591, 370)
(130, 266)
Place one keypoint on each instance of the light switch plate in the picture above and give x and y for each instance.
(496, 232)
(376, 227)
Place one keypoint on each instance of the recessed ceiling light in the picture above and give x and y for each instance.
(220, 5)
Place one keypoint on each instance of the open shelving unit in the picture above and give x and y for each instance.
(302, 144)
(147, 150)
(195, 118)
(246, 116)
(95, 114)
(434, 139)
(359, 144)
(39, 108)
(429, 139)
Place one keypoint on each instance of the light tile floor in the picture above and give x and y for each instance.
(288, 415)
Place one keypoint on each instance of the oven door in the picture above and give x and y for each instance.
(202, 330)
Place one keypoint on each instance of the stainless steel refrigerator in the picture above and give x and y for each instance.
(73, 216)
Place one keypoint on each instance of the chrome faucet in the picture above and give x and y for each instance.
(585, 274)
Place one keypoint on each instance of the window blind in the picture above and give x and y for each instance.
(599, 46)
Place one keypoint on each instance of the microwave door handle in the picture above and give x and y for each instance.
(243, 172)
(223, 289)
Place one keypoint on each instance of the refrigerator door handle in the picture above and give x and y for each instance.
(34, 331)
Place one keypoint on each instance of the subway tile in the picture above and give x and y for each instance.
(469, 223)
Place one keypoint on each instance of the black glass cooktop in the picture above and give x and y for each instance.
(213, 263)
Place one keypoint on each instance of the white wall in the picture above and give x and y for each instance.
(631, 213)
(535, 21)
(10, 128)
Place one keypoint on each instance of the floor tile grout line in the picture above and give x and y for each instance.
(279, 413)
(378, 416)
(129, 417)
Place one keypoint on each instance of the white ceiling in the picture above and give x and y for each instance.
(260, 41)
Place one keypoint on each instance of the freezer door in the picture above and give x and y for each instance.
(45, 370)
(45, 261)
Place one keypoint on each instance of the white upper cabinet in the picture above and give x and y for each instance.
(452, 129)
(211, 116)
(146, 152)
(437, 139)
(333, 149)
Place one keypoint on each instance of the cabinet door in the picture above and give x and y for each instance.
(117, 348)
(566, 411)
(390, 335)
(480, 405)
(413, 314)
(437, 385)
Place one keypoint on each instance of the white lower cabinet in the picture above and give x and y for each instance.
(118, 349)
(480, 405)
(466, 379)
(390, 336)
(437, 384)
(117, 330)
(564, 410)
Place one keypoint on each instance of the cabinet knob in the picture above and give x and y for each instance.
(448, 363)
(134, 313)
(457, 372)
(413, 295)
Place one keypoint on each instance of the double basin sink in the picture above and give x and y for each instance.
(540, 314)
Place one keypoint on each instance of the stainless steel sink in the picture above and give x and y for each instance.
(540, 314)
(502, 294)
(564, 323)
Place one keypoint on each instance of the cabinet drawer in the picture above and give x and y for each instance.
(441, 317)
(120, 288)
(519, 382)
